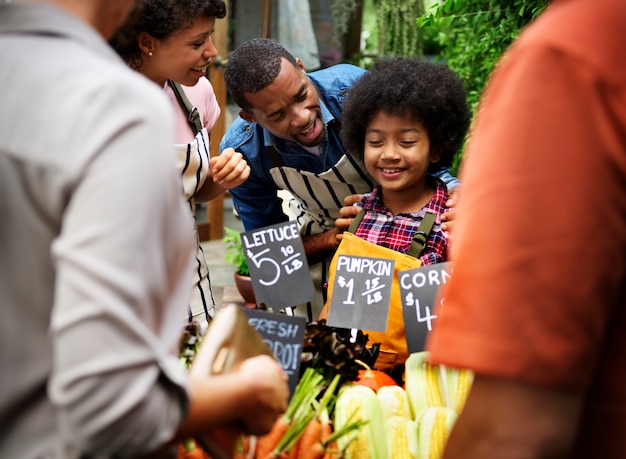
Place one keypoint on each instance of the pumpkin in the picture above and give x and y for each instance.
(374, 379)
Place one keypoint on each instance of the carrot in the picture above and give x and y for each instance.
(245, 444)
(310, 442)
(283, 436)
(330, 451)
(189, 449)
(295, 449)
(266, 444)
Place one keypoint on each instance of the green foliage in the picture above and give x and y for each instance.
(472, 35)
(341, 12)
(234, 251)
(396, 25)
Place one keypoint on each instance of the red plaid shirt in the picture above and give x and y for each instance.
(379, 226)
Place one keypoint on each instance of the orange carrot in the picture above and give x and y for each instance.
(295, 449)
(330, 451)
(242, 451)
(311, 439)
(266, 444)
(189, 449)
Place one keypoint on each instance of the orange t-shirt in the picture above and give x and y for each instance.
(538, 290)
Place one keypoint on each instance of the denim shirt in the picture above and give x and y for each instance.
(256, 200)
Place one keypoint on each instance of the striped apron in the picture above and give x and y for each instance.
(193, 163)
(314, 205)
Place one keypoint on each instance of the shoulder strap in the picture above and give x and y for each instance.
(421, 236)
(193, 118)
(277, 160)
(355, 223)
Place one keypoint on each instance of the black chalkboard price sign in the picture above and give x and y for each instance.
(418, 289)
(361, 293)
(284, 335)
(278, 266)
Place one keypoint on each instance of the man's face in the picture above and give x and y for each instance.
(289, 107)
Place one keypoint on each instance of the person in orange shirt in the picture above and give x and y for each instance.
(536, 305)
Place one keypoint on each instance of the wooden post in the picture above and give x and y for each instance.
(213, 228)
(266, 28)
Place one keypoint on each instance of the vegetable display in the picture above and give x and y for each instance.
(343, 408)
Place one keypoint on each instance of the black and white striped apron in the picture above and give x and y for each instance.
(193, 162)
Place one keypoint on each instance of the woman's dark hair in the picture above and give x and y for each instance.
(252, 67)
(160, 18)
(428, 92)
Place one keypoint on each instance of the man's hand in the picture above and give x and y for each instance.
(449, 215)
(268, 394)
(322, 245)
(347, 214)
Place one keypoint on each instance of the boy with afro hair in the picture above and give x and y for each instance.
(401, 119)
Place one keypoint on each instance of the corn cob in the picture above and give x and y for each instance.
(356, 402)
(433, 428)
(393, 402)
(459, 383)
(422, 383)
(401, 435)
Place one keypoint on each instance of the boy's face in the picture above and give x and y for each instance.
(397, 154)
(289, 107)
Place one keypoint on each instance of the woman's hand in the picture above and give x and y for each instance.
(229, 169)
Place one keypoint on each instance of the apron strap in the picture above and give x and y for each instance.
(356, 222)
(423, 231)
(193, 118)
(419, 238)
(277, 160)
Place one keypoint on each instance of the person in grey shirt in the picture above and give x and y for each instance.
(95, 254)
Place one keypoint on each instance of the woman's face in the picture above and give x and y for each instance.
(184, 56)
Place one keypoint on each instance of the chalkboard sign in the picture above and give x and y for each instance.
(284, 335)
(361, 293)
(418, 290)
(278, 266)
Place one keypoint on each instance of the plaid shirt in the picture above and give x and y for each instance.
(379, 226)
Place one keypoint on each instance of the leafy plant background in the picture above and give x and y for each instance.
(472, 35)
(234, 251)
(469, 35)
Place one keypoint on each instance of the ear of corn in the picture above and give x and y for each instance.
(356, 402)
(433, 428)
(433, 385)
(459, 383)
(393, 402)
(401, 435)
(422, 383)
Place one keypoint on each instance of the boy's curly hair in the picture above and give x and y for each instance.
(428, 92)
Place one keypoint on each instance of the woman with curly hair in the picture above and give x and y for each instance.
(169, 41)
(401, 119)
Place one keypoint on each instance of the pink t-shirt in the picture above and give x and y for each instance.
(203, 98)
